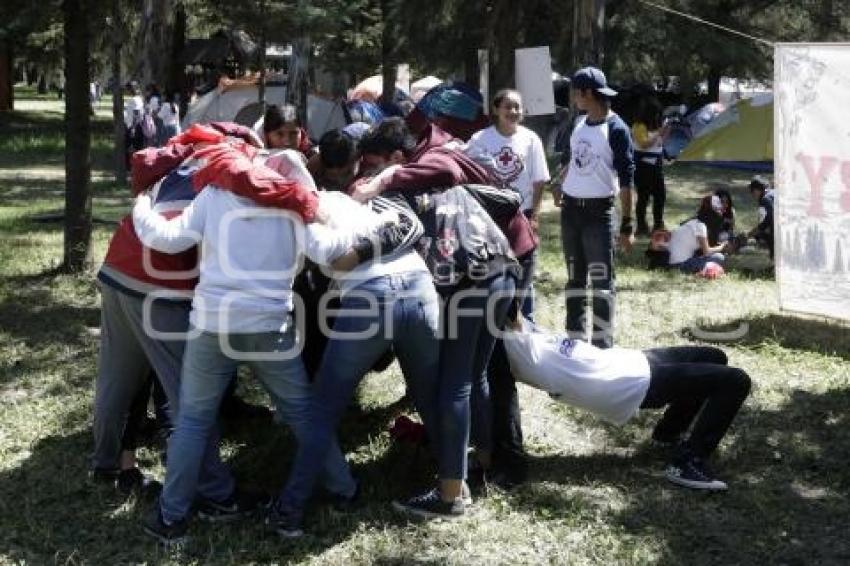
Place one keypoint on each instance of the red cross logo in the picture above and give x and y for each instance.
(506, 157)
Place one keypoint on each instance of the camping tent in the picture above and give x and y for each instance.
(236, 101)
(371, 88)
(740, 137)
(422, 86)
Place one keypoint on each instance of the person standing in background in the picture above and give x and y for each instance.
(601, 168)
(517, 162)
(648, 134)
(169, 113)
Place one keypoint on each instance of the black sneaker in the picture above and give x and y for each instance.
(166, 534)
(691, 472)
(286, 522)
(430, 505)
(238, 505)
(132, 480)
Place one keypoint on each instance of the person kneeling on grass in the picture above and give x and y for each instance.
(693, 244)
(693, 382)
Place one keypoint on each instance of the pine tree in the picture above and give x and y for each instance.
(839, 258)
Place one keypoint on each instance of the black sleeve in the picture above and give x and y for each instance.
(622, 146)
(392, 238)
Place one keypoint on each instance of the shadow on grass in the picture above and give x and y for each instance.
(51, 511)
(822, 337)
(788, 497)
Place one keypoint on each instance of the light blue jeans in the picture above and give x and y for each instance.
(194, 464)
(401, 311)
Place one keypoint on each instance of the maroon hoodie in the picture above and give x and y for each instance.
(432, 165)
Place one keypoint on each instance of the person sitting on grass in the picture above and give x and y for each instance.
(762, 193)
(693, 244)
(700, 391)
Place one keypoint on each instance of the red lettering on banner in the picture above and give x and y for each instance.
(817, 179)
(844, 199)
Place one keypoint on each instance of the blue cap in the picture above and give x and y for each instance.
(593, 79)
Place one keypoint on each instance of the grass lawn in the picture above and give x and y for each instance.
(596, 494)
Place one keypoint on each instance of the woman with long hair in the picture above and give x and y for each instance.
(694, 243)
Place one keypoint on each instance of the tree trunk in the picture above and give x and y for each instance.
(388, 52)
(505, 39)
(7, 86)
(298, 79)
(176, 77)
(119, 139)
(714, 75)
(77, 137)
(261, 90)
(153, 41)
(588, 33)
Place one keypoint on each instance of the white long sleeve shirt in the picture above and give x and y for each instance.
(249, 256)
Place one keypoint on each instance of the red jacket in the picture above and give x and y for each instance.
(432, 165)
(228, 167)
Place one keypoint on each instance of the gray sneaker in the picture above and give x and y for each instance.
(430, 505)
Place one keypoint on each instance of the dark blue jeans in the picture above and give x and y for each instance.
(400, 311)
(587, 236)
(471, 316)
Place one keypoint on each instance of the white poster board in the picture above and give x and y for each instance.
(484, 77)
(534, 80)
(812, 164)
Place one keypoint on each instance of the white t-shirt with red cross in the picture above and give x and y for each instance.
(518, 161)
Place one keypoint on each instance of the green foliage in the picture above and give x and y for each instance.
(646, 44)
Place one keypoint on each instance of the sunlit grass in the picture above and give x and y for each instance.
(595, 495)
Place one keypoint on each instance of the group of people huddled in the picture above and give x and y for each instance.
(312, 264)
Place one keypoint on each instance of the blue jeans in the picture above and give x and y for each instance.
(401, 311)
(464, 355)
(587, 235)
(695, 264)
(194, 463)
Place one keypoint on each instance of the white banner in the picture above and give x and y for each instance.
(812, 164)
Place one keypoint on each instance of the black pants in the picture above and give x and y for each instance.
(695, 384)
(587, 237)
(649, 183)
(509, 456)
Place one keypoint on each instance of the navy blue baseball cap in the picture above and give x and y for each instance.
(593, 79)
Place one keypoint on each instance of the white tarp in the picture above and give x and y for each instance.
(812, 163)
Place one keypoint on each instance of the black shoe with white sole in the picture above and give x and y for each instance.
(692, 473)
(430, 505)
